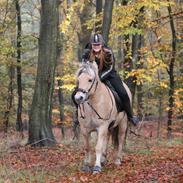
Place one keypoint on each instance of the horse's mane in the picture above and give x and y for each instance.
(87, 68)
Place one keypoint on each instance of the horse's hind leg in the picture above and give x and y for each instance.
(87, 160)
(100, 147)
(121, 137)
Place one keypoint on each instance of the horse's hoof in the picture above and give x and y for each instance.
(96, 169)
(117, 161)
(86, 168)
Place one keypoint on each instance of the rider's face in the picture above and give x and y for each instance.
(96, 47)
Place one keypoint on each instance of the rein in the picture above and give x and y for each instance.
(84, 91)
(81, 106)
(99, 116)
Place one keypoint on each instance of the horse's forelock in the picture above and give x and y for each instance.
(86, 68)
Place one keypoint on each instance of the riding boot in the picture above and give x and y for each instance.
(117, 84)
(133, 119)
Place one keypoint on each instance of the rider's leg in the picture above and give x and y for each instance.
(120, 89)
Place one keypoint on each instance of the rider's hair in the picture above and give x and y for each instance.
(101, 58)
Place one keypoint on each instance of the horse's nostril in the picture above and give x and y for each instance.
(79, 99)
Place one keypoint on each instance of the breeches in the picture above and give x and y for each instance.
(117, 84)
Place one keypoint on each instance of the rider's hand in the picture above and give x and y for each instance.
(86, 54)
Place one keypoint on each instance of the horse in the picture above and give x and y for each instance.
(97, 111)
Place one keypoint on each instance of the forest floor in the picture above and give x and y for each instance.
(146, 160)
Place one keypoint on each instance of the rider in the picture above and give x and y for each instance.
(104, 57)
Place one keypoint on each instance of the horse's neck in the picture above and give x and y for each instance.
(102, 101)
(100, 93)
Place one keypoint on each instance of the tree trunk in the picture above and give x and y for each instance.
(179, 29)
(9, 99)
(120, 55)
(107, 18)
(140, 101)
(60, 82)
(160, 109)
(171, 74)
(19, 124)
(61, 105)
(98, 24)
(127, 62)
(84, 35)
(138, 41)
(40, 132)
(136, 55)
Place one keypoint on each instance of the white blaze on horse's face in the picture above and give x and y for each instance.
(85, 83)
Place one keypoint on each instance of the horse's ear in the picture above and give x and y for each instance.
(86, 62)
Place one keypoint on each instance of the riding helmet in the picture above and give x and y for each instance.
(97, 39)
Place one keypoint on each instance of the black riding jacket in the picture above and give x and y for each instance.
(109, 63)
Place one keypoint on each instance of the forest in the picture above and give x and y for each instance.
(41, 48)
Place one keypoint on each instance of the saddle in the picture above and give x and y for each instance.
(116, 96)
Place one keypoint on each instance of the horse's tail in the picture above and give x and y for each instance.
(114, 133)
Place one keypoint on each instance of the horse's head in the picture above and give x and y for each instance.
(87, 78)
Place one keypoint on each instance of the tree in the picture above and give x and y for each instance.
(60, 84)
(84, 35)
(137, 43)
(6, 54)
(19, 124)
(107, 18)
(40, 133)
(98, 11)
(9, 104)
(171, 72)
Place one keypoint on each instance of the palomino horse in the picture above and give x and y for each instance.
(97, 111)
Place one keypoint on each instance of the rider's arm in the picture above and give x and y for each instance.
(109, 61)
(86, 53)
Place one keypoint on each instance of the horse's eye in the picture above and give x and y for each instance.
(90, 80)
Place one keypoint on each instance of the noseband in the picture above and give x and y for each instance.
(87, 92)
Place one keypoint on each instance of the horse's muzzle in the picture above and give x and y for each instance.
(80, 97)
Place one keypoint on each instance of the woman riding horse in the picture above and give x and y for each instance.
(103, 55)
(97, 112)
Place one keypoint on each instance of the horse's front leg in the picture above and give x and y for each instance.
(87, 160)
(100, 147)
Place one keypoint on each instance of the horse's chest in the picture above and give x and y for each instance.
(90, 117)
(91, 123)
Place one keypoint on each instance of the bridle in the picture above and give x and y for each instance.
(87, 97)
(87, 91)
